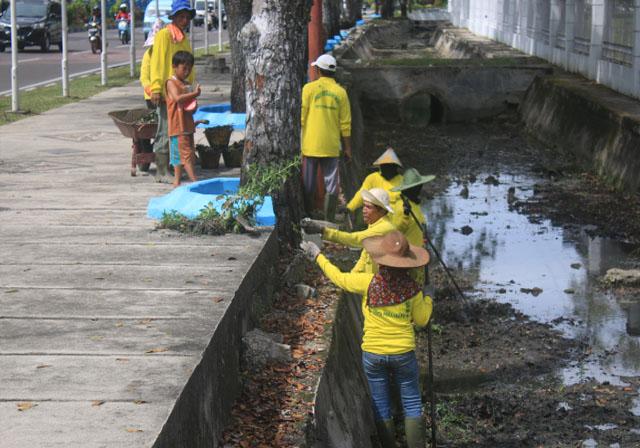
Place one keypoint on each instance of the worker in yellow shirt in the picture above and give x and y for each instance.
(387, 177)
(167, 42)
(326, 129)
(408, 217)
(145, 80)
(375, 210)
(392, 302)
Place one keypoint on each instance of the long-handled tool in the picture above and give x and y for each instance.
(407, 208)
(432, 395)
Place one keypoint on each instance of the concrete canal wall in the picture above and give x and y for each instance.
(601, 128)
(342, 410)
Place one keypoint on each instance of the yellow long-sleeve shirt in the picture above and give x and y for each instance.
(375, 180)
(408, 226)
(160, 64)
(388, 330)
(326, 117)
(145, 74)
(354, 239)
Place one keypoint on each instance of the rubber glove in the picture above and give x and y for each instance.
(310, 250)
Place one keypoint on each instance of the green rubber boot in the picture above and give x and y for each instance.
(386, 433)
(330, 206)
(308, 203)
(414, 429)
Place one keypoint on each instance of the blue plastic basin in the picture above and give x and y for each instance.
(220, 115)
(190, 199)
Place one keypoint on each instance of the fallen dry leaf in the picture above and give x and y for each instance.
(122, 359)
(134, 430)
(25, 406)
(217, 299)
(139, 401)
(43, 366)
(157, 350)
(97, 402)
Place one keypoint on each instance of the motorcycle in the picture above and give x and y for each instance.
(93, 31)
(123, 31)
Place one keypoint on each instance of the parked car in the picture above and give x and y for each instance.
(39, 24)
(198, 20)
(150, 14)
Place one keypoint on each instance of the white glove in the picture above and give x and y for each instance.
(310, 250)
(312, 226)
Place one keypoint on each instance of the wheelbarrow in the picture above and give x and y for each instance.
(137, 124)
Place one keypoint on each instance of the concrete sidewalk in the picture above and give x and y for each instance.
(109, 329)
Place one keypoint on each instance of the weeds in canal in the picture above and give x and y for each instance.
(452, 424)
(237, 213)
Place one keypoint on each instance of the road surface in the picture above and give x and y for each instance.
(38, 68)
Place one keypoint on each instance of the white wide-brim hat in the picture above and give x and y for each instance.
(377, 196)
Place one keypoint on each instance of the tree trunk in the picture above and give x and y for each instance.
(274, 47)
(331, 17)
(352, 11)
(238, 13)
(387, 9)
(403, 9)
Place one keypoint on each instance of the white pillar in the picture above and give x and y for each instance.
(636, 49)
(206, 26)
(569, 24)
(192, 34)
(65, 61)
(597, 31)
(132, 41)
(15, 99)
(103, 54)
(220, 26)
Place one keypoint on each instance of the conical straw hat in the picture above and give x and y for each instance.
(389, 156)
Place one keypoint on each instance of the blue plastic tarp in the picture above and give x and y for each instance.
(190, 199)
(220, 115)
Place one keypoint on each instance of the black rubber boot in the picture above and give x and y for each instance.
(386, 433)
(330, 206)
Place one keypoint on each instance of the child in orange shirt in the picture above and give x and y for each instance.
(180, 108)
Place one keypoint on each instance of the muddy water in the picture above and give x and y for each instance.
(547, 272)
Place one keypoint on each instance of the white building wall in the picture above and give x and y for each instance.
(550, 29)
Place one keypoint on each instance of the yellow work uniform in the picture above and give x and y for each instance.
(160, 65)
(412, 231)
(326, 117)
(388, 330)
(354, 239)
(145, 74)
(375, 180)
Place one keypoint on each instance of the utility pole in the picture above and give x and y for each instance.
(132, 41)
(65, 61)
(206, 26)
(219, 26)
(15, 103)
(103, 53)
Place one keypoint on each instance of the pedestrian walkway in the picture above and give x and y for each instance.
(111, 333)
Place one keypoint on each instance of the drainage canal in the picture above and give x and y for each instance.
(544, 353)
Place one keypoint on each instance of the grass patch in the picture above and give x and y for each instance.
(42, 99)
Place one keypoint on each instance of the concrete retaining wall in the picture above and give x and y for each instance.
(342, 412)
(600, 127)
(201, 411)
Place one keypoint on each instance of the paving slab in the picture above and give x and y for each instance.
(112, 333)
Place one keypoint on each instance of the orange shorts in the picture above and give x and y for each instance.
(182, 149)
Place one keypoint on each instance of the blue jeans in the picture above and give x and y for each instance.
(404, 368)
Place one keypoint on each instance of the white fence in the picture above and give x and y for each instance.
(598, 38)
